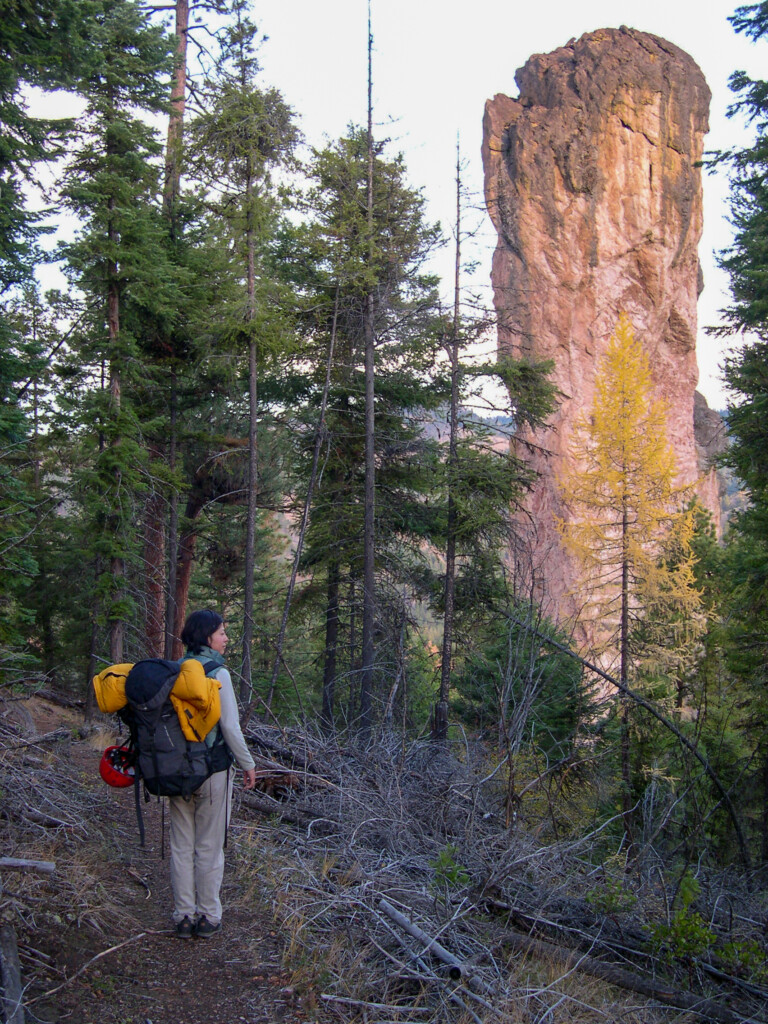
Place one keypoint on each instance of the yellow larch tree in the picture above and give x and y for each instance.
(629, 526)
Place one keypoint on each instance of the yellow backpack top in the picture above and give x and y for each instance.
(195, 696)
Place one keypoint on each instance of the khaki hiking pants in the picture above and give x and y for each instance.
(197, 848)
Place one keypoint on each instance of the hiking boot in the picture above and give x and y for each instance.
(205, 929)
(185, 929)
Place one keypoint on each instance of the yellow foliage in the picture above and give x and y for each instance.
(627, 524)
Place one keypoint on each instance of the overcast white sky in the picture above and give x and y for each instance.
(437, 61)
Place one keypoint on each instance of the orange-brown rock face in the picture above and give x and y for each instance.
(592, 184)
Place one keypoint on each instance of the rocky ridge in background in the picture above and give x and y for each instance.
(593, 184)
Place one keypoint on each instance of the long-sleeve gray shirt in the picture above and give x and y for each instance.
(230, 720)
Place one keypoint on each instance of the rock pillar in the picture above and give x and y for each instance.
(593, 184)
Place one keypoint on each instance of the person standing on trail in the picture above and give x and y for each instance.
(199, 822)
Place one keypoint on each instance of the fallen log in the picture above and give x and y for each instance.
(60, 699)
(48, 737)
(10, 977)
(630, 945)
(42, 867)
(572, 960)
(39, 818)
(456, 969)
(286, 753)
(296, 814)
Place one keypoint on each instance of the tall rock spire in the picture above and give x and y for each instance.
(592, 180)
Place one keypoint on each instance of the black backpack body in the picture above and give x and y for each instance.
(166, 761)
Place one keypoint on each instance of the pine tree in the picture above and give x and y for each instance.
(625, 508)
(353, 267)
(118, 260)
(745, 374)
(245, 134)
(42, 44)
(483, 480)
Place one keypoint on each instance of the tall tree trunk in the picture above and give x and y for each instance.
(176, 118)
(171, 191)
(354, 663)
(154, 567)
(173, 528)
(117, 563)
(93, 658)
(331, 647)
(440, 721)
(369, 537)
(253, 453)
(626, 763)
(186, 560)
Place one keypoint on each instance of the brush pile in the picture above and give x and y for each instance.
(403, 890)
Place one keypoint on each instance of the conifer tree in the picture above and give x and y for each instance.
(351, 268)
(624, 507)
(745, 373)
(193, 252)
(369, 500)
(118, 260)
(483, 481)
(42, 44)
(245, 133)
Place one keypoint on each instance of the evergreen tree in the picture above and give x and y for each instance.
(352, 269)
(118, 261)
(483, 480)
(244, 135)
(746, 376)
(42, 44)
(19, 498)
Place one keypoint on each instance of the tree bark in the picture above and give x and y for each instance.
(173, 528)
(154, 567)
(253, 452)
(171, 190)
(176, 118)
(440, 721)
(626, 763)
(369, 535)
(117, 563)
(331, 646)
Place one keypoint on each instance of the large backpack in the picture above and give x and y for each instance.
(166, 761)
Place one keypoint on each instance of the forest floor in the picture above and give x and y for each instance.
(108, 953)
(340, 880)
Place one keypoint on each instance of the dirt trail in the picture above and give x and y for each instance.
(156, 978)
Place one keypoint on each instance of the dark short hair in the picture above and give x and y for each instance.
(198, 628)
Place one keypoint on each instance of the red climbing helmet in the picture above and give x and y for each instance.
(116, 766)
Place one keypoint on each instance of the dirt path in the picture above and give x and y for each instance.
(154, 977)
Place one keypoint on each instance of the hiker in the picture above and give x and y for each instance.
(199, 822)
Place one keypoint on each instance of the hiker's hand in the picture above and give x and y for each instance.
(249, 778)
